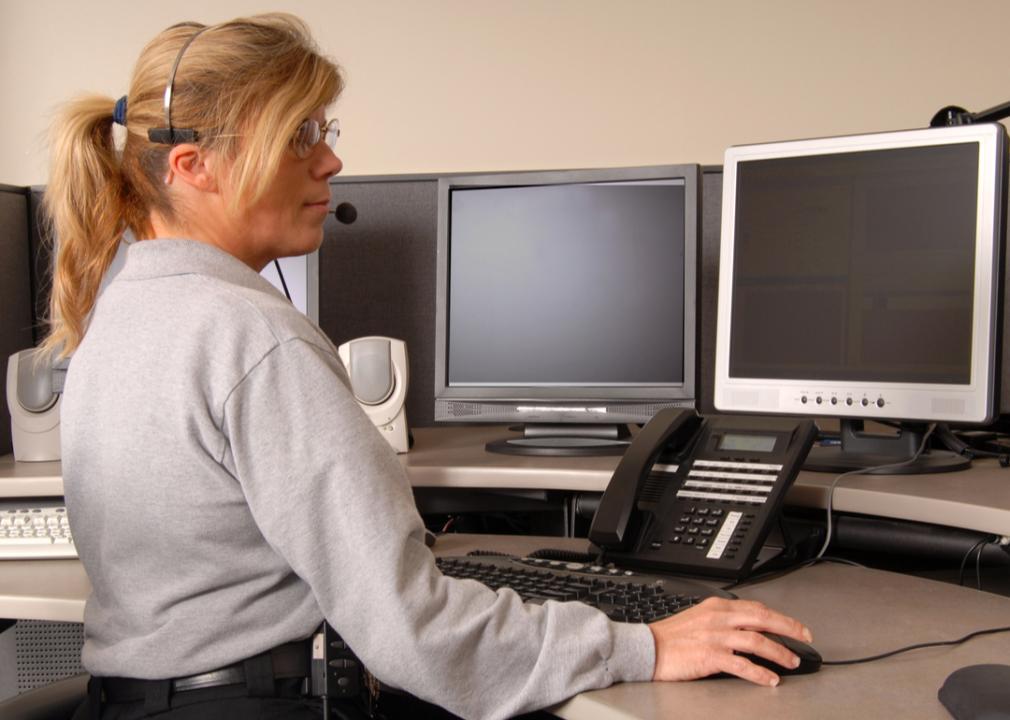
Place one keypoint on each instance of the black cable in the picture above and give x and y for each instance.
(956, 444)
(782, 572)
(939, 643)
(769, 575)
(978, 566)
(281, 276)
(863, 471)
(964, 560)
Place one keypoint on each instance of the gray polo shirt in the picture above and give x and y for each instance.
(226, 492)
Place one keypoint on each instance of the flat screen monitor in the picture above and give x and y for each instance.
(566, 302)
(860, 279)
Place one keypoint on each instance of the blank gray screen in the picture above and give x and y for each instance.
(856, 266)
(567, 285)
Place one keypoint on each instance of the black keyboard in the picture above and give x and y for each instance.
(624, 595)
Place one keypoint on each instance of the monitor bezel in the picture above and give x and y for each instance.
(569, 404)
(900, 401)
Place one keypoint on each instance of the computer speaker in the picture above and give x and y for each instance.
(377, 367)
(34, 389)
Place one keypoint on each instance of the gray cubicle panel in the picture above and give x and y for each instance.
(41, 264)
(1004, 354)
(377, 272)
(15, 289)
(708, 283)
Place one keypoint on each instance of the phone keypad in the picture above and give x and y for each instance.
(714, 530)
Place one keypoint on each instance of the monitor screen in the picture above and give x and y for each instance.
(566, 296)
(859, 276)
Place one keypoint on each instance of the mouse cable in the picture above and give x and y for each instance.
(920, 646)
(863, 471)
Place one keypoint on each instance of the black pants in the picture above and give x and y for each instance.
(221, 703)
(233, 701)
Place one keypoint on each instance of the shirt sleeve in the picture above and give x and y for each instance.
(331, 497)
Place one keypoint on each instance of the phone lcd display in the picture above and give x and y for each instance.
(750, 443)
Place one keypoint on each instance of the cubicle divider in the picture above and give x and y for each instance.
(708, 283)
(377, 272)
(40, 250)
(15, 289)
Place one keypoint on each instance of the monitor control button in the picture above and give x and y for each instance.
(880, 402)
(819, 399)
(865, 402)
(848, 401)
(803, 399)
(834, 401)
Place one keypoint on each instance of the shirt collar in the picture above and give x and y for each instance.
(166, 257)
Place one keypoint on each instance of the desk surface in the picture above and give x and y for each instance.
(975, 499)
(454, 457)
(853, 612)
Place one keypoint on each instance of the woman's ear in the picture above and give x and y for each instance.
(193, 166)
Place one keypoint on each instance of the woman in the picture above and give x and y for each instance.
(225, 490)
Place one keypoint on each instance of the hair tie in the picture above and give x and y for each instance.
(119, 112)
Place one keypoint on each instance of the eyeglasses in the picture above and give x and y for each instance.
(310, 133)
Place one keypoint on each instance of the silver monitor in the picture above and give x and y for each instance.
(860, 276)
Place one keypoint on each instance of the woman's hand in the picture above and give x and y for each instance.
(704, 640)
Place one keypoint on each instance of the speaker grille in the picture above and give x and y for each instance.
(47, 652)
(948, 407)
(652, 491)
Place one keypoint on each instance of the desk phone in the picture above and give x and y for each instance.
(700, 495)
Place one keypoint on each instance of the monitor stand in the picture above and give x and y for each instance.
(860, 450)
(564, 440)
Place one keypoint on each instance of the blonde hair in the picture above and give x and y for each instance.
(243, 85)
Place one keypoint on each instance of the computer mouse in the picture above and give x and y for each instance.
(810, 659)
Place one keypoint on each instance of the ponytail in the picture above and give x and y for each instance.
(84, 202)
(245, 85)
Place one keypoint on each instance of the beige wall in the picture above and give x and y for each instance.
(445, 85)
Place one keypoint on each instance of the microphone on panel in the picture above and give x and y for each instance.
(346, 213)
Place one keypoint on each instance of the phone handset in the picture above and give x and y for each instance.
(668, 427)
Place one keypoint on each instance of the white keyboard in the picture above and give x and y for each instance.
(35, 530)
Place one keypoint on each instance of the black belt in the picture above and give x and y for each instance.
(291, 660)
